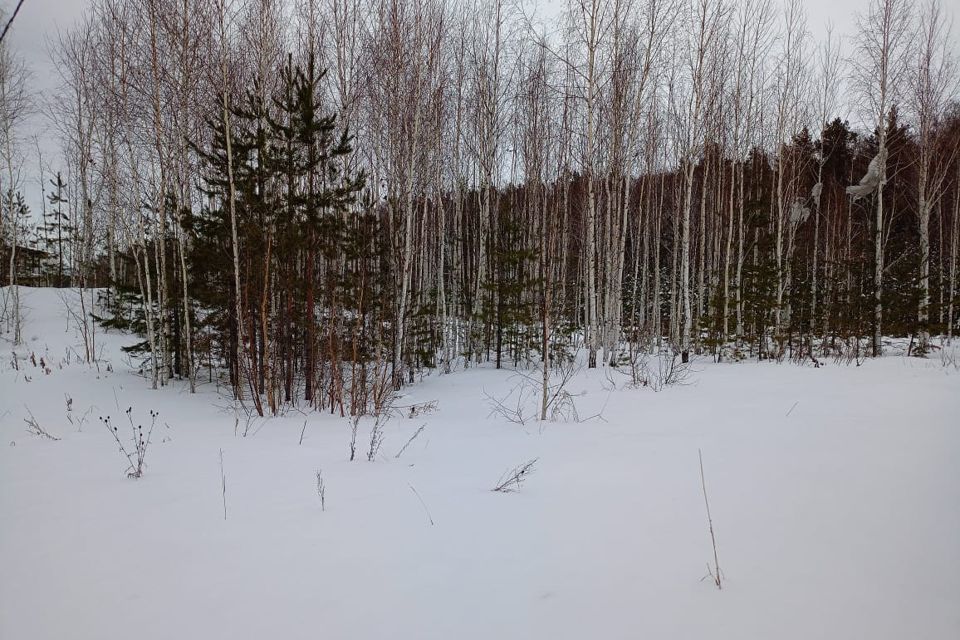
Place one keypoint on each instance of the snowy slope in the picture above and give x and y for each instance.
(835, 495)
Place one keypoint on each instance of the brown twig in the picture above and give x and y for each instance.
(223, 484)
(34, 428)
(513, 480)
(412, 438)
(715, 574)
(426, 510)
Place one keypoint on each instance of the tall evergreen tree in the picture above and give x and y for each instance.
(56, 231)
(293, 197)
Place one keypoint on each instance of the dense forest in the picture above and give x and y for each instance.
(318, 201)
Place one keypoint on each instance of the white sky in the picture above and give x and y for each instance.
(39, 20)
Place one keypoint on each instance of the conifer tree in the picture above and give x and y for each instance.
(56, 232)
(292, 201)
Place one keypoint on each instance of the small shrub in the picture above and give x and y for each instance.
(141, 442)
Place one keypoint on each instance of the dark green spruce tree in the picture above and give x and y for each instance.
(293, 199)
(56, 230)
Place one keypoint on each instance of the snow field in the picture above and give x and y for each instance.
(835, 495)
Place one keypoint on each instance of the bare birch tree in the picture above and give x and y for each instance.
(878, 73)
(932, 82)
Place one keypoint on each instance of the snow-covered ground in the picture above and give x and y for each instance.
(835, 495)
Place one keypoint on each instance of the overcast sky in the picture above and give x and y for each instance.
(39, 20)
